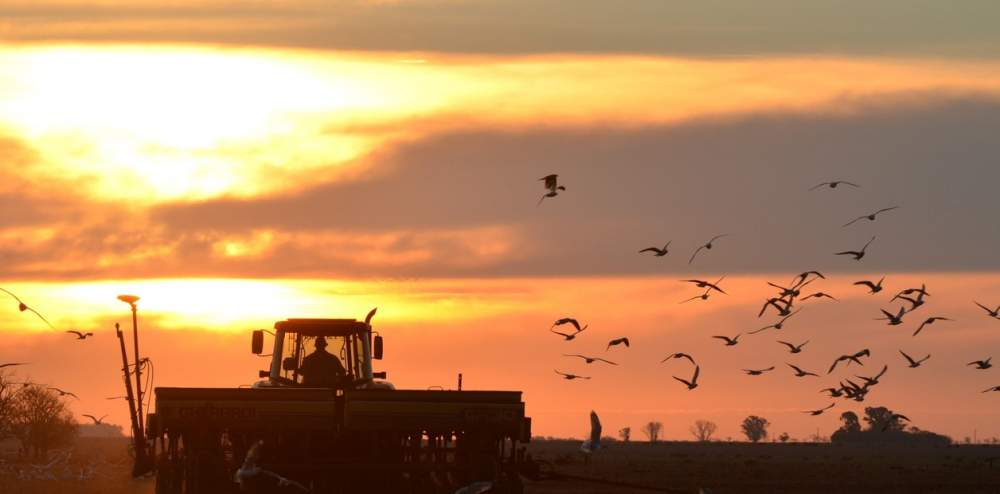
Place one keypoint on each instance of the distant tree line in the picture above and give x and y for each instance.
(883, 426)
(37, 417)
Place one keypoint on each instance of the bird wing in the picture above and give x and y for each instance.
(880, 211)
(835, 362)
(79, 334)
(650, 249)
(595, 428)
(867, 244)
(40, 316)
(605, 361)
(91, 417)
(920, 328)
(551, 181)
(987, 309)
(866, 283)
(789, 345)
(696, 251)
(697, 371)
(12, 295)
(558, 333)
(688, 383)
(912, 362)
(831, 406)
(814, 187)
(855, 220)
(684, 355)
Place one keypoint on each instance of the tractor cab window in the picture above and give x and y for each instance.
(318, 361)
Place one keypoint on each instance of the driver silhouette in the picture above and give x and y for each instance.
(321, 369)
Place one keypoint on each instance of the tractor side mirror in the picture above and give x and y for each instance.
(257, 342)
(288, 364)
(377, 351)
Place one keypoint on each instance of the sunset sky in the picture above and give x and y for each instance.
(237, 163)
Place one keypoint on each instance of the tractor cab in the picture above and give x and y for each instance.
(351, 342)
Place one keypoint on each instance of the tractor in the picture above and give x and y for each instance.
(356, 433)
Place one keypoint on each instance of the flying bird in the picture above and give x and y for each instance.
(21, 306)
(819, 295)
(80, 335)
(63, 393)
(834, 392)
(12, 364)
(994, 388)
(757, 372)
(709, 285)
(799, 372)
(914, 302)
(833, 184)
(251, 469)
(820, 411)
(589, 360)
(871, 381)
(894, 320)
(658, 252)
(774, 302)
(850, 358)
(552, 186)
(616, 342)
(97, 421)
(693, 383)
(930, 320)
(792, 292)
(873, 288)
(994, 313)
(569, 320)
(729, 341)
(680, 355)
(570, 377)
(982, 364)
(794, 348)
(909, 291)
(801, 278)
(708, 245)
(914, 363)
(778, 325)
(593, 443)
(870, 217)
(856, 254)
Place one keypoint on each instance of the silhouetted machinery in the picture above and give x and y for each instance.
(361, 435)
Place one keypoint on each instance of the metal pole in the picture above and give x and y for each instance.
(140, 447)
(138, 367)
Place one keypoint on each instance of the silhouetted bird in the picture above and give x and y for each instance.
(834, 392)
(757, 372)
(792, 292)
(616, 342)
(857, 254)
(590, 360)
(552, 186)
(914, 363)
(80, 335)
(63, 393)
(850, 358)
(708, 245)
(778, 325)
(793, 348)
(593, 442)
(922, 290)
(871, 381)
(802, 277)
(776, 303)
(819, 295)
(729, 341)
(703, 296)
(894, 320)
(994, 313)
(994, 388)
(657, 252)
(569, 320)
(12, 364)
(250, 469)
(833, 184)
(799, 372)
(570, 377)
(680, 355)
(706, 284)
(97, 421)
(21, 306)
(693, 383)
(870, 217)
(914, 302)
(820, 411)
(930, 320)
(982, 364)
(873, 288)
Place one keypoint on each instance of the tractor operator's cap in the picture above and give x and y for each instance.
(320, 342)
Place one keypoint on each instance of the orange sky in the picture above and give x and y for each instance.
(233, 173)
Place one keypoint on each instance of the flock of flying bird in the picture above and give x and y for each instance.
(784, 305)
(80, 335)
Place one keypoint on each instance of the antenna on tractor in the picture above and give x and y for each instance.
(142, 463)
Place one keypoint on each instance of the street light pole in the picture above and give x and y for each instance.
(131, 300)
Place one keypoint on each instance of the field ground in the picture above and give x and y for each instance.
(680, 467)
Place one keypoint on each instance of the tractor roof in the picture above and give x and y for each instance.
(322, 327)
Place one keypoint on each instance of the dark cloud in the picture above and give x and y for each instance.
(709, 28)
(629, 188)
